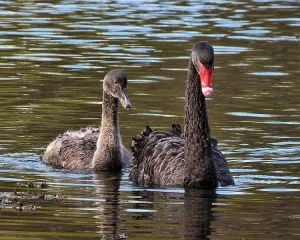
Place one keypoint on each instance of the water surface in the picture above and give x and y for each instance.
(52, 59)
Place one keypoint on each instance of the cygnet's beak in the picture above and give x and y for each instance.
(125, 101)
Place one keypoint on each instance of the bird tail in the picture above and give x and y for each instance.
(138, 144)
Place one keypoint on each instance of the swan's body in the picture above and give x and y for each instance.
(160, 160)
(190, 160)
(95, 148)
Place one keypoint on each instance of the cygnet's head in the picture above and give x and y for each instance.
(115, 84)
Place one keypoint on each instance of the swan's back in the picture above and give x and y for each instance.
(158, 159)
(73, 149)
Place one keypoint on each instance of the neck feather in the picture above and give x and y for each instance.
(199, 169)
(110, 109)
(108, 153)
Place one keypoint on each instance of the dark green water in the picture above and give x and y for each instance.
(52, 57)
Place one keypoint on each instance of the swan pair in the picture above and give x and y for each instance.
(191, 159)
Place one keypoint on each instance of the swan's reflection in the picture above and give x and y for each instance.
(175, 214)
(198, 213)
(108, 184)
(191, 219)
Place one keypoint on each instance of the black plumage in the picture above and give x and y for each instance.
(191, 159)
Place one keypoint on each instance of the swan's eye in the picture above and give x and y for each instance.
(115, 83)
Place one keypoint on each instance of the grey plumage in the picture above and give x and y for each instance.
(95, 148)
(191, 159)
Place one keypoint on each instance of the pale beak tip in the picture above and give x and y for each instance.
(128, 106)
(207, 91)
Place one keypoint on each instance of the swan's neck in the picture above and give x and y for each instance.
(108, 153)
(199, 167)
(110, 109)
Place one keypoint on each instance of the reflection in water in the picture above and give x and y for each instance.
(198, 213)
(187, 215)
(52, 55)
(107, 189)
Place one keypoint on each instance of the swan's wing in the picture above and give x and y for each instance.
(73, 149)
(223, 173)
(158, 158)
(176, 130)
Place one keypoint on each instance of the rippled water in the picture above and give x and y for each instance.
(52, 56)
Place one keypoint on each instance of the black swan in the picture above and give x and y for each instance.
(95, 148)
(191, 159)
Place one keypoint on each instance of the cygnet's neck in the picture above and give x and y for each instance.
(108, 153)
(110, 109)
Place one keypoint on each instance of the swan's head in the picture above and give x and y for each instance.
(115, 84)
(203, 60)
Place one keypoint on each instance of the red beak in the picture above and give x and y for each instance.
(206, 82)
